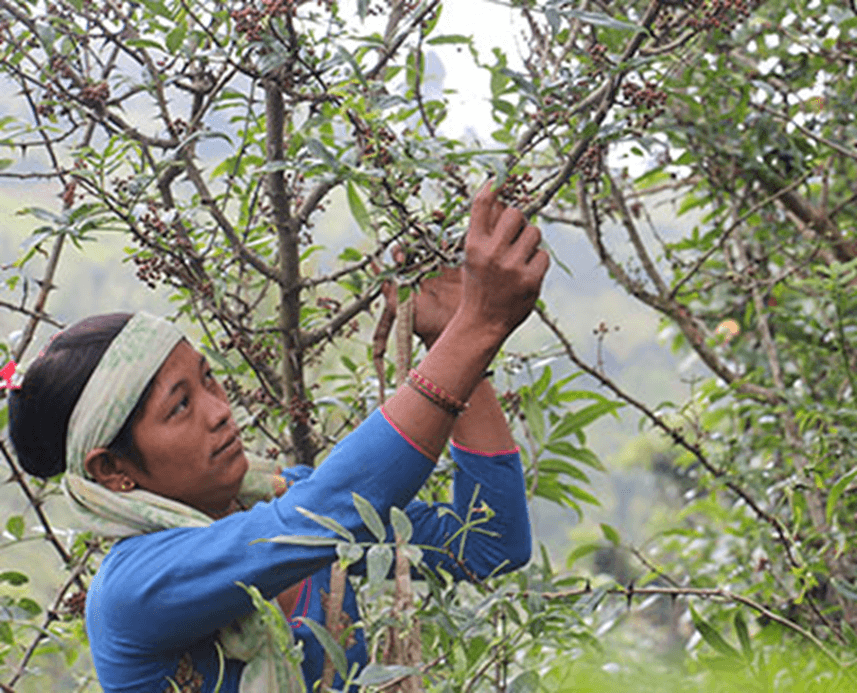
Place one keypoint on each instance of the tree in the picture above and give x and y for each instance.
(213, 135)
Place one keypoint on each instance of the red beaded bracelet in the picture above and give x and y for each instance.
(436, 395)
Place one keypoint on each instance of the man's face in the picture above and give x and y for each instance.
(187, 436)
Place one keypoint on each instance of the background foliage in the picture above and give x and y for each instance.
(211, 136)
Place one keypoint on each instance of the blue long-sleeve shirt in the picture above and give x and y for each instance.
(158, 599)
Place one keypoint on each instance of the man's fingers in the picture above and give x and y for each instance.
(509, 226)
(497, 210)
(525, 247)
(540, 263)
(481, 210)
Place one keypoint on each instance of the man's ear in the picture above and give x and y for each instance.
(107, 469)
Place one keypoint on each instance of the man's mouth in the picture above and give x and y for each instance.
(233, 439)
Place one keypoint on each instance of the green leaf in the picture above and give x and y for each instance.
(449, 38)
(358, 209)
(15, 526)
(846, 590)
(414, 554)
(611, 534)
(175, 38)
(299, 540)
(601, 19)
(320, 151)
(29, 606)
(345, 55)
(580, 494)
(712, 637)
(575, 422)
(525, 682)
(580, 552)
(158, 7)
(6, 634)
(566, 449)
(379, 558)
(348, 553)
(401, 524)
(557, 466)
(14, 578)
(329, 523)
(743, 636)
(144, 43)
(837, 491)
(333, 648)
(534, 416)
(351, 255)
(218, 358)
(377, 674)
(542, 383)
(553, 18)
(370, 517)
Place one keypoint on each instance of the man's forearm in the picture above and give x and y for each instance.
(483, 428)
(455, 363)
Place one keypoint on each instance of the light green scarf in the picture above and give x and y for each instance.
(132, 359)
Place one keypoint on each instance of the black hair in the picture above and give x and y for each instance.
(39, 411)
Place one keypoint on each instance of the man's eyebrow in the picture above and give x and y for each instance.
(202, 362)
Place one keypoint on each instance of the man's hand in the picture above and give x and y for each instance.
(435, 302)
(504, 267)
(440, 297)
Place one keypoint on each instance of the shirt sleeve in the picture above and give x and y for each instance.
(164, 590)
(489, 489)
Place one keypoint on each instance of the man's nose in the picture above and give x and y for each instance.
(217, 410)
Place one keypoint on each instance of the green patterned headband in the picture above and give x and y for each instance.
(134, 356)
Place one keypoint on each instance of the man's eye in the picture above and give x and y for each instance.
(180, 406)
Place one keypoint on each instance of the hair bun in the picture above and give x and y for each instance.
(40, 410)
(36, 458)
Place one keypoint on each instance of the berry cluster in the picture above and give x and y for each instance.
(380, 9)
(95, 95)
(720, 14)
(598, 53)
(603, 329)
(300, 410)
(60, 67)
(511, 401)
(46, 106)
(150, 270)
(68, 194)
(330, 304)
(250, 20)
(647, 98)
(590, 162)
(261, 396)
(378, 150)
(179, 127)
(75, 605)
(438, 216)
(155, 268)
(516, 190)
(255, 351)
